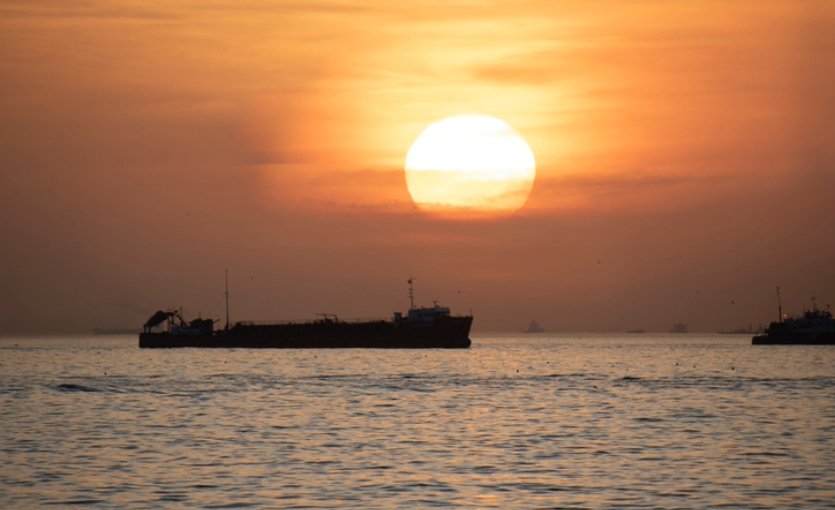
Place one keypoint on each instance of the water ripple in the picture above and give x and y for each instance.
(511, 423)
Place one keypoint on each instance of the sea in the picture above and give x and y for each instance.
(516, 421)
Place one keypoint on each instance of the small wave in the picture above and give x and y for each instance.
(727, 382)
(693, 413)
(77, 387)
(174, 497)
(231, 505)
(765, 454)
(326, 377)
(80, 502)
(649, 419)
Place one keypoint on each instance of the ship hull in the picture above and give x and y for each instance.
(445, 333)
(820, 339)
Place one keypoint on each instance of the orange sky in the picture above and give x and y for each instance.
(684, 160)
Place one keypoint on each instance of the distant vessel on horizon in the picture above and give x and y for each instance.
(679, 327)
(421, 328)
(814, 327)
(533, 327)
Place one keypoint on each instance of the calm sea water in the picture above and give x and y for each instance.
(515, 422)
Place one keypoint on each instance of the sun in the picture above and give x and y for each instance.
(470, 164)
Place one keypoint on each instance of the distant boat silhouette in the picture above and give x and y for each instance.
(679, 327)
(533, 327)
(636, 331)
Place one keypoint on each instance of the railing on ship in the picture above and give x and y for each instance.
(320, 318)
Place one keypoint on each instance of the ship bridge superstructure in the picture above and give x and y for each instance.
(815, 326)
(423, 314)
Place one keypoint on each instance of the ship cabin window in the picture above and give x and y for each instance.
(428, 314)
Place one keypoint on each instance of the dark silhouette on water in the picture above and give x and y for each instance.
(814, 327)
(679, 327)
(533, 327)
(421, 328)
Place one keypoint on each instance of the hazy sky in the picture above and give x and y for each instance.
(685, 160)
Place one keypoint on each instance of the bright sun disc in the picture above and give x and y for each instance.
(470, 163)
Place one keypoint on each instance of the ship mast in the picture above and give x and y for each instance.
(226, 271)
(779, 305)
(411, 293)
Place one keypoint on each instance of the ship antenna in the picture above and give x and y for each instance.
(779, 305)
(411, 292)
(227, 296)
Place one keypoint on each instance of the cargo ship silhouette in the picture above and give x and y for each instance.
(421, 328)
(814, 327)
